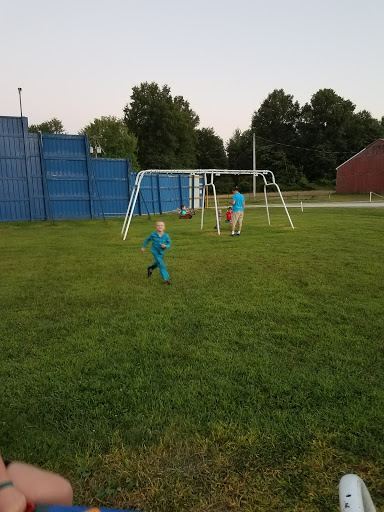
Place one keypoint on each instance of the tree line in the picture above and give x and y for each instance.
(302, 145)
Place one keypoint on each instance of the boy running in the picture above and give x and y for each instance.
(160, 242)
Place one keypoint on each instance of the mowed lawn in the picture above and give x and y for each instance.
(253, 383)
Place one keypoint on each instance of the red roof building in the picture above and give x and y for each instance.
(364, 172)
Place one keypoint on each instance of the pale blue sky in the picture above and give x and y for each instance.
(79, 59)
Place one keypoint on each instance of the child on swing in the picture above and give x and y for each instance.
(184, 212)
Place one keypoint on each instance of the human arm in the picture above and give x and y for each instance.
(11, 499)
(40, 486)
(146, 242)
(167, 242)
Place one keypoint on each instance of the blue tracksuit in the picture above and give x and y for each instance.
(158, 251)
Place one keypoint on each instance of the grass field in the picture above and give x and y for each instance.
(253, 383)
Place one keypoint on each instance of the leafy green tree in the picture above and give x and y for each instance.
(304, 145)
(210, 150)
(211, 155)
(164, 126)
(239, 150)
(275, 124)
(333, 132)
(363, 130)
(52, 126)
(277, 117)
(112, 135)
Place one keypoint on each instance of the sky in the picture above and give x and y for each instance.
(79, 59)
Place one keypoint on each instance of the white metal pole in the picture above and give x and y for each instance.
(130, 201)
(370, 197)
(128, 209)
(301, 202)
(354, 495)
(192, 185)
(282, 200)
(133, 205)
(217, 213)
(203, 205)
(266, 203)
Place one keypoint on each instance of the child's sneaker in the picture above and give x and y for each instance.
(149, 271)
(166, 282)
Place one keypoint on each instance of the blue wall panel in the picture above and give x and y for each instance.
(67, 178)
(14, 193)
(111, 185)
(10, 126)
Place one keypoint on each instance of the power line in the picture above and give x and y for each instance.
(307, 149)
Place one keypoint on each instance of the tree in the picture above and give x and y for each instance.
(210, 150)
(363, 130)
(277, 117)
(276, 126)
(52, 126)
(326, 127)
(305, 145)
(239, 150)
(111, 134)
(164, 126)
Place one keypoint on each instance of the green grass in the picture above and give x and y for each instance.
(254, 382)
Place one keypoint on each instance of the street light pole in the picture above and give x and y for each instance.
(21, 107)
(254, 165)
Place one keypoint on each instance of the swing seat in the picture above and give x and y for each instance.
(186, 216)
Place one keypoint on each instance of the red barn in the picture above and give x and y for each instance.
(364, 172)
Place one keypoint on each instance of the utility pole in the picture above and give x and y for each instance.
(254, 165)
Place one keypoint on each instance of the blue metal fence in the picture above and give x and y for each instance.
(45, 176)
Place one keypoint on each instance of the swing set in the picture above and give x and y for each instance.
(208, 176)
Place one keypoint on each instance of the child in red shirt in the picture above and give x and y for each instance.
(228, 213)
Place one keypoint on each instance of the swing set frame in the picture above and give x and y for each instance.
(208, 176)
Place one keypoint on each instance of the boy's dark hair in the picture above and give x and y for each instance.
(235, 188)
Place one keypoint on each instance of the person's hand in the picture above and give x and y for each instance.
(163, 246)
(143, 249)
(12, 500)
